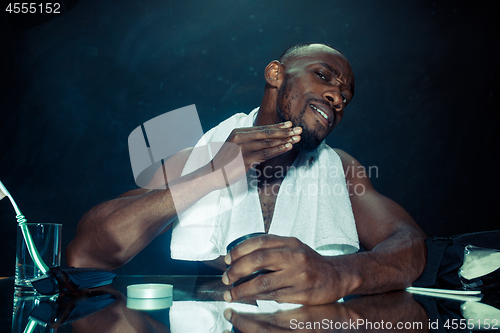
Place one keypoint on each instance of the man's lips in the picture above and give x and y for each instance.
(325, 115)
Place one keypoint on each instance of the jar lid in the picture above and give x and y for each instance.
(242, 239)
(150, 290)
(149, 303)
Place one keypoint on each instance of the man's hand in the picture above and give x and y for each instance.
(256, 145)
(300, 274)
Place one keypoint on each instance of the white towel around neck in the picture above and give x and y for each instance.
(313, 205)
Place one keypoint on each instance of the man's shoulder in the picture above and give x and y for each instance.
(354, 171)
(344, 157)
(348, 162)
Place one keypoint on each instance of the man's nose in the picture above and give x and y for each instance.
(335, 99)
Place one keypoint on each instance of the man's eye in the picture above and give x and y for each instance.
(344, 99)
(321, 76)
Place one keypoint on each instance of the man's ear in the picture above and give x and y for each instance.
(274, 73)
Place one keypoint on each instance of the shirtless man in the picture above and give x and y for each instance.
(110, 234)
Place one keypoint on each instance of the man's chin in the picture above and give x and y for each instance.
(311, 137)
(307, 145)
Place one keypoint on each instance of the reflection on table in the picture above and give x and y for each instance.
(198, 306)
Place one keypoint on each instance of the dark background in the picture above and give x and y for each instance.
(74, 87)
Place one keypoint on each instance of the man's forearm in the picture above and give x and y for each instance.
(112, 233)
(394, 264)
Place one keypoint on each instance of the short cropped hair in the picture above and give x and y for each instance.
(294, 49)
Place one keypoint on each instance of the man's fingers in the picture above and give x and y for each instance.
(272, 286)
(261, 143)
(269, 259)
(263, 150)
(246, 135)
(259, 243)
(284, 127)
(264, 132)
(257, 145)
(268, 153)
(286, 124)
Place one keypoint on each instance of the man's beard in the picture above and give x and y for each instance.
(310, 137)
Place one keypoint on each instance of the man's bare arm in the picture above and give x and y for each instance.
(396, 256)
(112, 233)
(396, 253)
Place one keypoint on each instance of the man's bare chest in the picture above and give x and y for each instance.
(268, 195)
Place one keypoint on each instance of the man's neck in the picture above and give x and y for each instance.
(267, 114)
